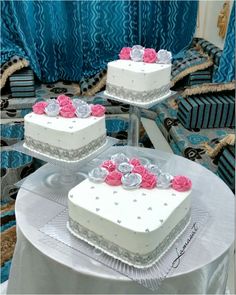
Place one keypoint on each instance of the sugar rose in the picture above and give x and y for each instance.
(39, 107)
(98, 110)
(181, 183)
(140, 170)
(150, 55)
(125, 53)
(83, 111)
(114, 178)
(67, 111)
(63, 100)
(109, 165)
(135, 162)
(164, 56)
(52, 109)
(149, 181)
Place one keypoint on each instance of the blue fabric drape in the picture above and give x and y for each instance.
(226, 70)
(67, 39)
(168, 24)
(70, 39)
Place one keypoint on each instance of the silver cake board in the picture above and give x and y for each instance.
(144, 105)
(56, 231)
(67, 165)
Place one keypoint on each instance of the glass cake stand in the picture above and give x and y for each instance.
(57, 177)
(135, 113)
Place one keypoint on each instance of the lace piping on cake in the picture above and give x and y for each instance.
(122, 254)
(63, 154)
(137, 96)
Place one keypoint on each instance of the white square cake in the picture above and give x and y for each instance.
(138, 81)
(134, 226)
(65, 129)
(67, 139)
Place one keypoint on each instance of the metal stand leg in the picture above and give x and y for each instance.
(134, 124)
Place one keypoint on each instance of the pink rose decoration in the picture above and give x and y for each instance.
(140, 170)
(98, 110)
(125, 53)
(114, 178)
(39, 107)
(181, 183)
(109, 165)
(150, 55)
(63, 100)
(135, 162)
(67, 111)
(149, 181)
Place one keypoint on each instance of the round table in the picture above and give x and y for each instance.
(38, 267)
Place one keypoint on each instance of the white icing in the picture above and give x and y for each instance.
(65, 133)
(138, 76)
(137, 220)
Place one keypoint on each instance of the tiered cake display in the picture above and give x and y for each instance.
(130, 211)
(128, 208)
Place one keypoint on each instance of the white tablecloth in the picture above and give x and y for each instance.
(40, 267)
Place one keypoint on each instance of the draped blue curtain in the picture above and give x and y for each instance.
(226, 70)
(168, 24)
(67, 39)
(70, 39)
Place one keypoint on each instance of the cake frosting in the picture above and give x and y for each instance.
(139, 76)
(65, 129)
(136, 224)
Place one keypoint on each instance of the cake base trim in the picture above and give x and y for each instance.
(137, 96)
(128, 257)
(63, 154)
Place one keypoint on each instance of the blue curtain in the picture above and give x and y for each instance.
(226, 70)
(67, 39)
(70, 39)
(168, 24)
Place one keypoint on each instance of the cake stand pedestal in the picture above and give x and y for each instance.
(134, 125)
(135, 113)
